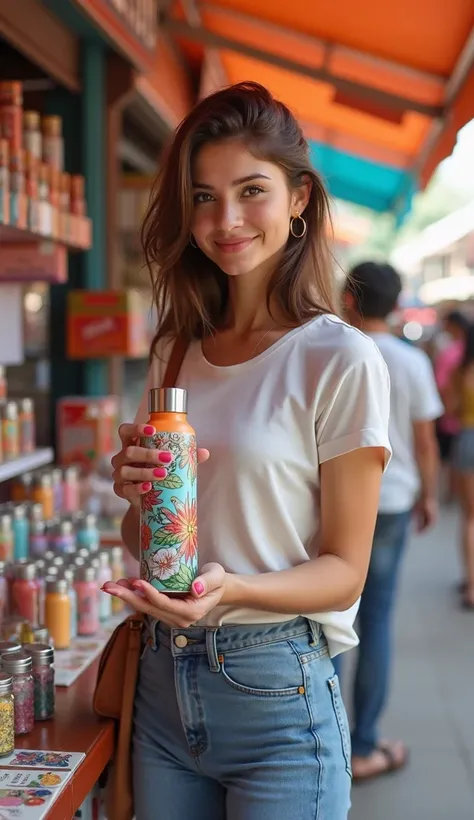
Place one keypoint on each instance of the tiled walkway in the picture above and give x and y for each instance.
(432, 702)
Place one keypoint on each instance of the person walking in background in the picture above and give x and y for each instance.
(460, 403)
(409, 487)
(446, 362)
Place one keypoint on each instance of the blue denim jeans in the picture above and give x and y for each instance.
(240, 723)
(372, 675)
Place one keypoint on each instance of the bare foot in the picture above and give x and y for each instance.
(390, 756)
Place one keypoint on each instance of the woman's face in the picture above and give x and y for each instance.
(242, 208)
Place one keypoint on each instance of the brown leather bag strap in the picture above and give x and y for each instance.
(176, 359)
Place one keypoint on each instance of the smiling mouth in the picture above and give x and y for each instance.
(234, 246)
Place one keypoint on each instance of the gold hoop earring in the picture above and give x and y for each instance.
(192, 242)
(304, 226)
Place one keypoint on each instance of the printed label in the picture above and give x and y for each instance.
(168, 522)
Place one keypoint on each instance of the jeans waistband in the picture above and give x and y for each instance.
(217, 640)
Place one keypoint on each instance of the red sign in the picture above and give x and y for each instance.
(131, 25)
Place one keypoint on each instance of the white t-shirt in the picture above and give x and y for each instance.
(319, 392)
(414, 397)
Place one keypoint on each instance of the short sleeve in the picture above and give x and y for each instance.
(426, 402)
(356, 409)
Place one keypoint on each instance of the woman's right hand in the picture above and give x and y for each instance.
(136, 467)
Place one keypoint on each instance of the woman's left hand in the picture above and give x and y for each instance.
(206, 593)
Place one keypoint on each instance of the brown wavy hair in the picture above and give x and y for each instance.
(189, 290)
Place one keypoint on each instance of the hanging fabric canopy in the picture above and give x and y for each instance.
(381, 89)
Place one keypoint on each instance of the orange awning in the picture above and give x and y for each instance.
(380, 88)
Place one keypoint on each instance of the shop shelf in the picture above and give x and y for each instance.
(10, 469)
(11, 234)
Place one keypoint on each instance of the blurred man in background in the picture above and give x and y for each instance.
(409, 487)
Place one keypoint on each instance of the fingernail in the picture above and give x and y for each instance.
(136, 584)
(165, 457)
(148, 430)
(198, 588)
(146, 486)
(160, 472)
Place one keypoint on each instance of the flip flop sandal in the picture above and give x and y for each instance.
(392, 764)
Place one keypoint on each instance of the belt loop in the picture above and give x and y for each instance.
(211, 646)
(315, 630)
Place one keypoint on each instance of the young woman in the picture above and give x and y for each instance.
(460, 401)
(238, 710)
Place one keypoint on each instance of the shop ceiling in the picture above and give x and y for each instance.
(381, 88)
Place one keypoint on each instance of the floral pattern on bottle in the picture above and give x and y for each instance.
(168, 521)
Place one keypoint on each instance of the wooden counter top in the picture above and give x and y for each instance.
(75, 728)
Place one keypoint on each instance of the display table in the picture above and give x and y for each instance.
(75, 728)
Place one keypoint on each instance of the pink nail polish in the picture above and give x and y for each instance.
(160, 472)
(148, 430)
(146, 487)
(165, 457)
(198, 588)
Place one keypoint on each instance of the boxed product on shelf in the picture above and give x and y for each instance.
(86, 429)
(106, 323)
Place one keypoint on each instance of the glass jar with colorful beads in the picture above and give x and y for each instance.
(42, 656)
(7, 716)
(19, 666)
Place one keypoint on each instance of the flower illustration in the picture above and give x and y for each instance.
(151, 499)
(188, 456)
(183, 526)
(165, 563)
(145, 536)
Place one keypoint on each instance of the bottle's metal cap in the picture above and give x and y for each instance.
(6, 684)
(57, 586)
(9, 646)
(25, 572)
(42, 654)
(168, 400)
(16, 663)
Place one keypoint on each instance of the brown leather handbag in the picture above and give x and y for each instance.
(118, 673)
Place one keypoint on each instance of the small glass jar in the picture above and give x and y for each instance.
(19, 665)
(43, 494)
(7, 715)
(21, 532)
(62, 538)
(87, 592)
(69, 575)
(38, 539)
(25, 593)
(42, 656)
(58, 611)
(57, 479)
(71, 490)
(27, 426)
(9, 646)
(6, 537)
(10, 431)
(88, 534)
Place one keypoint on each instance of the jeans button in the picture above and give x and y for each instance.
(181, 641)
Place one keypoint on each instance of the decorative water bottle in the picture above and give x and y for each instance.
(168, 520)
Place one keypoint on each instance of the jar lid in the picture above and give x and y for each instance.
(35, 511)
(89, 521)
(26, 405)
(25, 572)
(6, 521)
(2, 568)
(58, 561)
(83, 552)
(38, 527)
(9, 646)
(86, 573)
(104, 558)
(68, 573)
(19, 512)
(11, 410)
(41, 653)
(116, 553)
(6, 684)
(66, 527)
(57, 475)
(17, 662)
(95, 562)
(58, 585)
(78, 561)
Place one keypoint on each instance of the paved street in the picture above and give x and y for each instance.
(432, 703)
